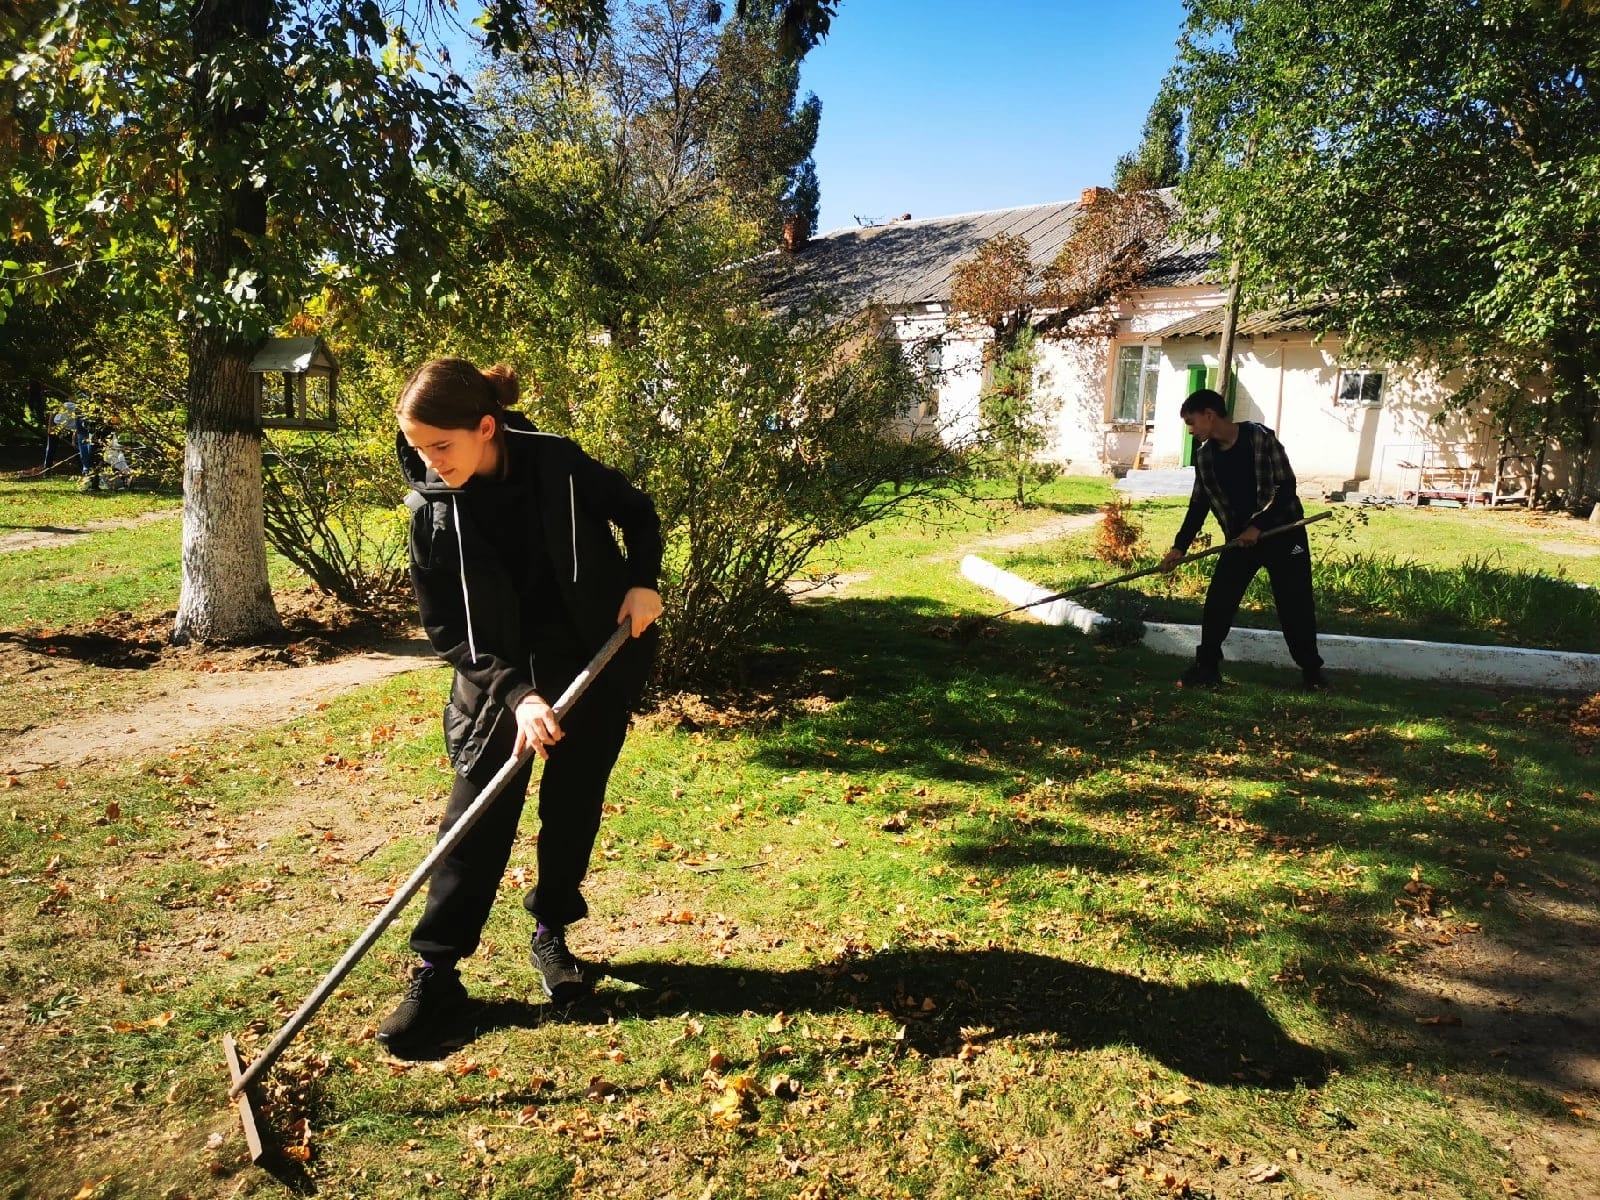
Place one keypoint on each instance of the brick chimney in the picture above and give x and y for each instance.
(1092, 196)
(794, 233)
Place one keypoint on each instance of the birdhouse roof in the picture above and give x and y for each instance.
(297, 356)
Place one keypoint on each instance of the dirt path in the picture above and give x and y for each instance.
(53, 536)
(183, 706)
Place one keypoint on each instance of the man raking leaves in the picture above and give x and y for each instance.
(1243, 476)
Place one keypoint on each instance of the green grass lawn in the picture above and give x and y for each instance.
(133, 568)
(60, 502)
(1457, 575)
(905, 917)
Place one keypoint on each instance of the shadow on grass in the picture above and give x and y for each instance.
(1472, 794)
(1210, 1032)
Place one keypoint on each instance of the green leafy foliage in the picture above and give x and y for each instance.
(1158, 160)
(760, 442)
(1014, 429)
(1424, 175)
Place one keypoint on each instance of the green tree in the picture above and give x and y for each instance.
(220, 162)
(641, 129)
(217, 163)
(1425, 173)
(1013, 427)
(1158, 160)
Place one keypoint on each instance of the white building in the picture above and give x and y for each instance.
(1111, 400)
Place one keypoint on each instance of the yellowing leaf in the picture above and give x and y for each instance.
(728, 1106)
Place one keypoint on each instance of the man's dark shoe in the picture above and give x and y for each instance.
(560, 974)
(1313, 680)
(428, 1013)
(1201, 675)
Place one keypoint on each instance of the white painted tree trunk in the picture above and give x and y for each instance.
(225, 595)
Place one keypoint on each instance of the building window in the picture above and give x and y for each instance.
(932, 377)
(1358, 389)
(1134, 400)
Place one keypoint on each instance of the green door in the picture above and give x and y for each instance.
(1202, 376)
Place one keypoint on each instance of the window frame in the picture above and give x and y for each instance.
(1149, 377)
(1363, 373)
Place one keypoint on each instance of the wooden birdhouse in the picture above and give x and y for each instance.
(297, 384)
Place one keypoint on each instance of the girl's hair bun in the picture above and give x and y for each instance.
(502, 380)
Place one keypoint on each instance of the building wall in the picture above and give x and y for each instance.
(1290, 383)
(1287, 381)
(952, 363)
(1081, 378)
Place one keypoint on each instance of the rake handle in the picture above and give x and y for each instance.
(425, 868)
(1156, 570)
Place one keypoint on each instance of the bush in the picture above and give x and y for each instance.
(760, 441)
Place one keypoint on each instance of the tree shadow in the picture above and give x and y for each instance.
(110, 650)
(1216, 1033)
(1461, 787)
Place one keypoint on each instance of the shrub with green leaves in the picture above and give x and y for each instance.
(760, 442)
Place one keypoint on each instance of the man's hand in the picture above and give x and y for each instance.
(641, 606)
(536, 726)
(1249, 537)
(1171, 559)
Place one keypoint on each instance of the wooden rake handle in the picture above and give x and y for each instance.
(1156, 570)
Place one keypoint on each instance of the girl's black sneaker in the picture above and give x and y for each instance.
(425, 1017)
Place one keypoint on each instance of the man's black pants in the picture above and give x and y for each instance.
(572, 790)
(1287, 560)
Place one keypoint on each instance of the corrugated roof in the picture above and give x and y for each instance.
(911, 262)
(1209, 323)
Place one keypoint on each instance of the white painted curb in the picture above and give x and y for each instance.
(1404, 658)
(1019, 591)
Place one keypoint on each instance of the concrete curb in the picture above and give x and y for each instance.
(1403, 658)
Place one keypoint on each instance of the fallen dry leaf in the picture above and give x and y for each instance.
(728, 1105)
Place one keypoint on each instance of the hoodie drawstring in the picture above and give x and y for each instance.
(466, 599)
(572, 507)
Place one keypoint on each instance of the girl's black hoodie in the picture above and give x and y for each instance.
(470, 606)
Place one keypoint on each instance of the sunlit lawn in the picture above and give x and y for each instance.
(908, 917)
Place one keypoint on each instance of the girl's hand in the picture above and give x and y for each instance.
(641, 606)
(537, 726)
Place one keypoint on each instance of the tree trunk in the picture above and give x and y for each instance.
(1230, 320)
(225, 596)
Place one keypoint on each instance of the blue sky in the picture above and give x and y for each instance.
(937, 107)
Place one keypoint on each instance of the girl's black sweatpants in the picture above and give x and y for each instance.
(1287, 560)
(572, 790)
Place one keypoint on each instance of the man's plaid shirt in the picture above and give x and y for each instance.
(1276, 501)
